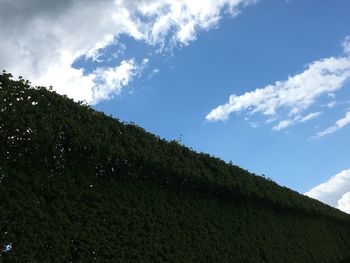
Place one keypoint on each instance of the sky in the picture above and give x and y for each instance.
(262, 83)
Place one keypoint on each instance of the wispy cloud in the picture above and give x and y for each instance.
(45, 37)
(112, 80)
(296, 94)
(331, 104)
(310, 116)
(297, 119)
(346, 45)
(337, 125)
(282, 125)
(335, 192)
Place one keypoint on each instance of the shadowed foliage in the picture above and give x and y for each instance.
(79, 186)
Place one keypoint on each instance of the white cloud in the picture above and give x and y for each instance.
(112, 80)
(180, 19)
(335, 192)
(297, 119)
(338, 124)
(344, 203)
(44, 37)
(296, 94)
(98, 85)
(331, 104)
(346, 45)
(282, 125)
(94, 52)
(310, 116)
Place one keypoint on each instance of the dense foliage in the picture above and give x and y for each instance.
(77, 185)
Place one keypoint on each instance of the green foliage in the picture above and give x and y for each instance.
(76, 185)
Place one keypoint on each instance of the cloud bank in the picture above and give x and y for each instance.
(296, 94)
(335, 192)
(42, 38)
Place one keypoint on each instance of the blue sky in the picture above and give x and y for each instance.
(267, 42)
(287, 63)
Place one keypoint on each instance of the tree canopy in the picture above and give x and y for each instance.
(78, 185)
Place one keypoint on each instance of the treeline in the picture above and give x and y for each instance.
(45, 131)
(78, 218)
(79, 186)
